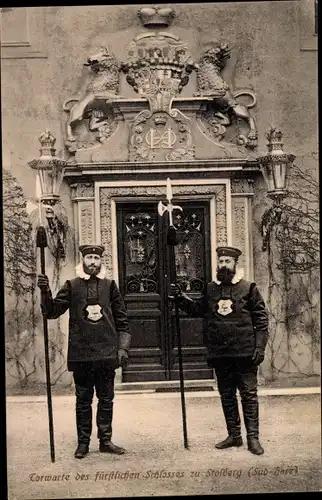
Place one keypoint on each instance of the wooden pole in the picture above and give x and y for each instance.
(41, 241)
(172, 241)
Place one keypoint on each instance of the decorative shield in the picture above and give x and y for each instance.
(224, 307)
(94, 312)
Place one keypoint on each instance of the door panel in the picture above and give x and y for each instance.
(143, 279)
(139, 273)
(192, 271)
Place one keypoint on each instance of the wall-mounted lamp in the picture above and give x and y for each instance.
(50, 174)
(275, 166)
(49, 168)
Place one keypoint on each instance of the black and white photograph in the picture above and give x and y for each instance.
(161, 244)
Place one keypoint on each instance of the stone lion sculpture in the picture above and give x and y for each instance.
(105, 79)
(209, 82)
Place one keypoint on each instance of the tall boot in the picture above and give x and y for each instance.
(104, 419)
(84, 421)
(83, 426)
(84, 391)
(251, 418)
(232, 418)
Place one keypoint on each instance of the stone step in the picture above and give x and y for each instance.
(167, 386)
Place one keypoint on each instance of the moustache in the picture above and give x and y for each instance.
(91, 268)
(225, 274)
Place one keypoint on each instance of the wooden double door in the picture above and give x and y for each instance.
(143, 280)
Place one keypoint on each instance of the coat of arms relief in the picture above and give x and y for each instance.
(158, 66)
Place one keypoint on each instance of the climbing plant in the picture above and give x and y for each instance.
(24, 355)
(293, 277)
(19, 271)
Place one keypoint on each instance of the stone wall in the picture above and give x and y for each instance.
(267, 57)
(273, 54)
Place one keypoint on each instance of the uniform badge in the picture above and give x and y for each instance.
(94, 312)
(224, 307)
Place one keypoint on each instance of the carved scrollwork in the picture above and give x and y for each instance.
(215, 122)
(242, 186)
(161, 136)
(221, 216)
(82, 190)
(86, 219)
(238, 205)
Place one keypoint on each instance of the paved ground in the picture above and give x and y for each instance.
(156, 463)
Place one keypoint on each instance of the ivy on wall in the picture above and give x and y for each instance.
(293, 280)
(24, 351)
(20, 274)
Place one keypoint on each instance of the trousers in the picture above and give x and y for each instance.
(87, 377)
(232, 374)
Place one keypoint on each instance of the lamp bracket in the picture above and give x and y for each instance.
(270, 219)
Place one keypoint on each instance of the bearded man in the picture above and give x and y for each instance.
(236, 334)
(98, 343)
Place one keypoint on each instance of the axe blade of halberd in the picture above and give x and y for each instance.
(161, 208)
(167, 208)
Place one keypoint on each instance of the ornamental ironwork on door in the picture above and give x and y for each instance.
(140, 252)
(143, 280)
(190, 249)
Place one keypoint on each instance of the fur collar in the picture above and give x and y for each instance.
(81, 274)
(236, 279)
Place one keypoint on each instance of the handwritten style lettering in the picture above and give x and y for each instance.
(225, 472)
(277, 471)
(49, 477)
(108, 476)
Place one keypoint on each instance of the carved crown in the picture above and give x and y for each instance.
(274, 137)
(156, 16)
(47, 140)
(160, 119)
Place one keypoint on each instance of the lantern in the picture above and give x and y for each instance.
(275, 166)
(50, 170)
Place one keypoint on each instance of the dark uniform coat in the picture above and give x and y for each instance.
(92, 337)
(236, 320)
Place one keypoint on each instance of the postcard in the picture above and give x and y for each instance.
(161, 249)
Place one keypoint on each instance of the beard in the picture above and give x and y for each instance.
(225, 275)
(92, 270)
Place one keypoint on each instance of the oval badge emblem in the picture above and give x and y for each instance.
(94, 312)
(224, 307)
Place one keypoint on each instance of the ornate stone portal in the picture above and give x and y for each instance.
(109, 193)
(107, 131)
(158, 125)
(83, 197)
(183, 122)
(125, 147)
